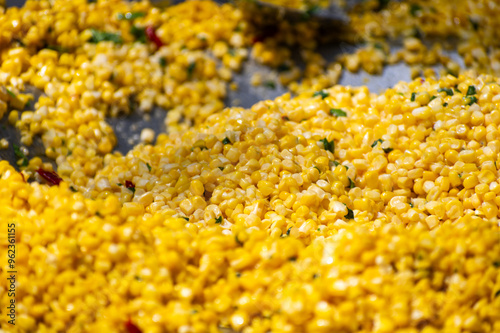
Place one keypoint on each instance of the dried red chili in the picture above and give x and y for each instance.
(131, 327)
(153, 37)
(130, 185)
(50, 176)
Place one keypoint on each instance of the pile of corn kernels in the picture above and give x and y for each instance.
(333, 210)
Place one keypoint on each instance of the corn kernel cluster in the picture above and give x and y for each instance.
(337, 210)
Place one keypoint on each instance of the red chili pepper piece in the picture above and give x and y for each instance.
(50, 176)
(152, 36)
(131, 327)
(129, 184)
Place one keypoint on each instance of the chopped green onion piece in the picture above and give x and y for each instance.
(471, 91)
(338, 113)
(218, 220)
(321, 93)
(328, 145)
(448, 91)
(413, 95)
(226, 141)
(350, 214)
(376, 141)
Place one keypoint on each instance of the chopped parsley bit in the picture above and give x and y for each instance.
(288, 231)
(185, 218)
(221, 168)
(20, 155)
(98, 214)
(338, 113)
(346, 167)
(315, 275)
(11, 93)
(414, 9)
(130, 186)
(496, 264)
(73, 189)
(292, 259)
(376, 141)
(104, 36)
(445, 104)
(459, 175)
(413, 95)
(328, 145)
(283, 68)
(130, 16)
(238, 274)
(335, 163)
(190, 69)
(319, 229)
(237, 240)
(411, 205)
(471, 100)
(149, 166)
(387, 150)
(497, 293)
(139, 34)
(226, 141)
(350, 214)
(448, 91)
(218, 220)
(270, 84)
(119, 184)
(163, 62)
(471, 91)
(432, 98)
(317, 168)
(137, 278)
(351, 183)
(379, 46)
(321, 93)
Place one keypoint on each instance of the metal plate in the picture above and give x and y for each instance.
(128, 127)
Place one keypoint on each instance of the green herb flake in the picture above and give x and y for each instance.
(411, 205)
(471, 91)
(335, 163)
(283, 68)
(104, 36)
(139, 34)
(496, 264)
(328, 145)
(73, 189)
(346, 167)
(11, 94)
(163, 62)
(149, 167)
(292, 259)
(351, 183)
(270, 84)
(376, 141)
(448, 91)
(190, 69)
(185, 218)
(413, 95)
(315, 167)
(238, 274)
(288, 231)
(237, 240)
(497, 293)
(130, 16)
(445, 104)
(226, 141)
(470, 100)
(387, 150)
(218, 220)
(350, 214)
(338, 113)
(414, 9)
(432, 98)
(321, 93)
(20, 155)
